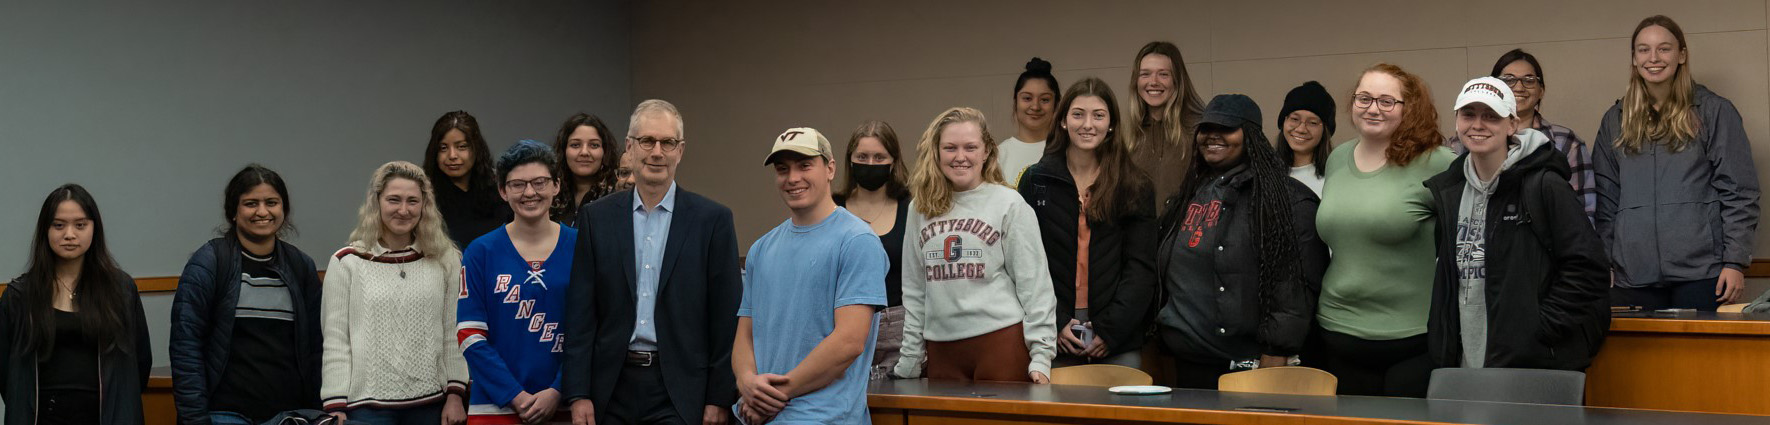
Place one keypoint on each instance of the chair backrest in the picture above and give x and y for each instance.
(1538, 386)
(1281, 380)
(1099, 375)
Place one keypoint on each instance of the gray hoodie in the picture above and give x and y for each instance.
(1472, 244)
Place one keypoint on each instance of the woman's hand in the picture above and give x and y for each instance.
(1067, 342)
(453, 412)
(1727, 286)
(1097, 349)
(1038, 378)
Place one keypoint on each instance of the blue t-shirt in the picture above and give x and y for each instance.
(794, 279)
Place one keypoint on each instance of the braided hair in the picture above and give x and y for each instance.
(1274, 223)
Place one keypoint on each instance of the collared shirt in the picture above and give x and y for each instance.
(651, 229)
(1578, 158)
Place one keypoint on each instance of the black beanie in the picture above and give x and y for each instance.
(1312, 97)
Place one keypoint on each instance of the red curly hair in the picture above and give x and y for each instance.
(1418, 132)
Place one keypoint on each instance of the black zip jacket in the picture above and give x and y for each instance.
(1547, 274)
(122, 377)
(1121, 254)
(203, 323)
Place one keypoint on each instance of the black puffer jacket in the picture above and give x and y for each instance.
(1218, 312)
(203, 323)
(1547, 275)
(122, 378)
(1121, 254)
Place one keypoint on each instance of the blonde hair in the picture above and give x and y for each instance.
(1675, 120)
(1179, 115)
(431, 237)
(932, 192)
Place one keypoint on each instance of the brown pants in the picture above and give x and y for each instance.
(1000, 355)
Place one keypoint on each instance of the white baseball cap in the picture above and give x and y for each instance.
(1490, 91)
(802, 140)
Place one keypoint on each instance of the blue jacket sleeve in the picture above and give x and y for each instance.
(490, 374)
(192, 305)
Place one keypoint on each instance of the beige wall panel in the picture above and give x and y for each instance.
(1537, 20)
(1256, 30)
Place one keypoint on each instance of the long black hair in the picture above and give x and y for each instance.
(1275, 235)
(243, 181)
(101, 300)
(479, 175)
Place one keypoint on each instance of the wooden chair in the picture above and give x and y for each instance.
(1099, 375)
(1294, 380)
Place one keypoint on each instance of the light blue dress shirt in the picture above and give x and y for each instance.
(651, 230)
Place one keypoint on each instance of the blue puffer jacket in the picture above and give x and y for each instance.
(203, 323)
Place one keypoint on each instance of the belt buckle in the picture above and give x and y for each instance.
(649, 358)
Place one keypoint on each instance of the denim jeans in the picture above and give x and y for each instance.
(229, 418)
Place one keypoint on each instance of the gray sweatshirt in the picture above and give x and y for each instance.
(977, 269)
(1472, 245)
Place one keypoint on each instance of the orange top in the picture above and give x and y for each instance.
(1082, 234)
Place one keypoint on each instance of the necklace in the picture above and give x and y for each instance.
(68, 287)
(875, 217)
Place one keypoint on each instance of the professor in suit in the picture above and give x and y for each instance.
(652, 307)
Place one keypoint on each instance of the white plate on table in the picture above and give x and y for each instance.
(1140, 389)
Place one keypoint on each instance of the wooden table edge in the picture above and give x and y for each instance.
(910, 404)
(1684, 326)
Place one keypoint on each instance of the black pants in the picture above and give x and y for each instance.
(640, 398)
(1191, 368)
(1393, 368)
(1697, 294)
(1199, 372)
(67, 407)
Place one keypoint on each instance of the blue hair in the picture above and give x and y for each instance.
(525, 152)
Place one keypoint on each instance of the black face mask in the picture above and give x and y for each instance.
(870, 176)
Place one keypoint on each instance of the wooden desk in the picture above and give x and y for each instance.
(1704, 362)
(156, 402)
(923, 402)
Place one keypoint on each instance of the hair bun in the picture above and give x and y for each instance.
(1038, 66)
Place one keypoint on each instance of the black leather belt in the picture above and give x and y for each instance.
(642, 358)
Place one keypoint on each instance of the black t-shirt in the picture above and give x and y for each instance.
(261, 378)
(72, 366)
(893, 242)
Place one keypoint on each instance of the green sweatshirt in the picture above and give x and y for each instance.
(1379, 228)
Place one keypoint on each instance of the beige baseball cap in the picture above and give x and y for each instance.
(800, 140)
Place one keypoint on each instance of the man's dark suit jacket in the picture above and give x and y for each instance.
(699, 289)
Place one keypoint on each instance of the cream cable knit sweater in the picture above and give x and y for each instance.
(389, 324)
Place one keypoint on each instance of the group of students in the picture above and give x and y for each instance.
(1377, 260)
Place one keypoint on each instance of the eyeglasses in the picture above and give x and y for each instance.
(648, 143)
(1528, 81)
(1384, 103)
(519, 186)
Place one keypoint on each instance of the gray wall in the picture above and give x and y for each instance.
(154, 105)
